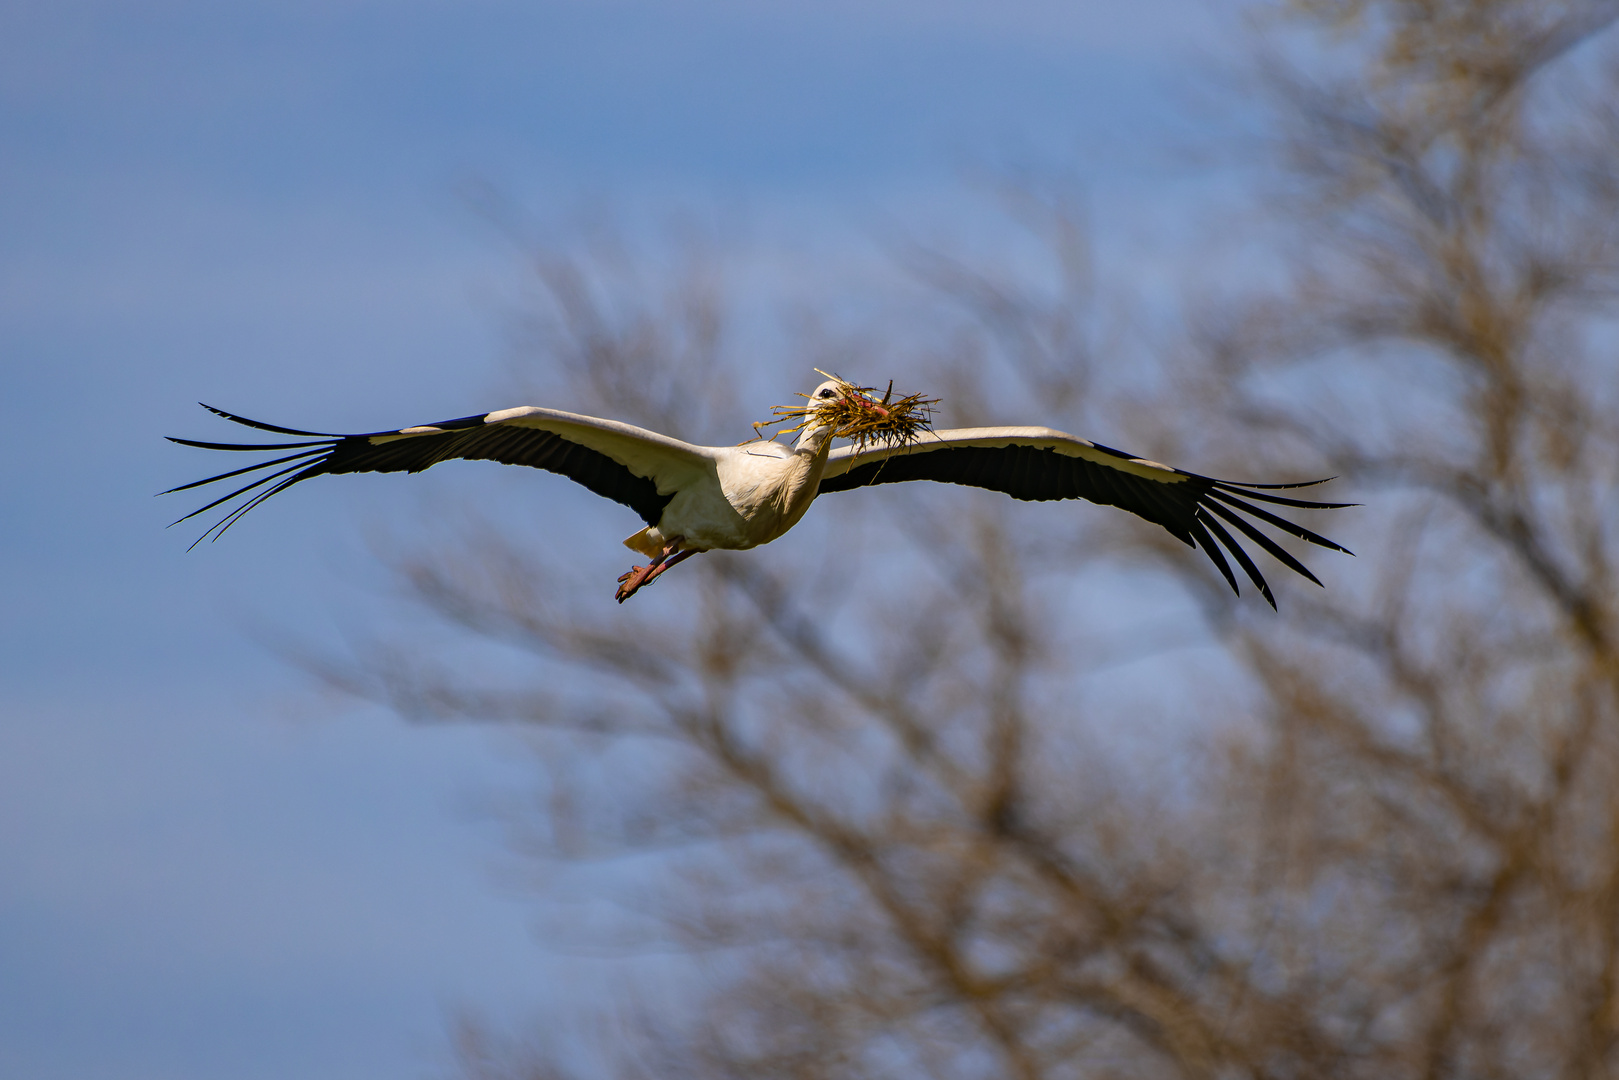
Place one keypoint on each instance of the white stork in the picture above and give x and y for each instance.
(698, 498)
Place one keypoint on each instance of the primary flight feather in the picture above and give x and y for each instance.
(698, 498)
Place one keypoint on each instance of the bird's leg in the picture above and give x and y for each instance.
(680, 556)
(642, 575)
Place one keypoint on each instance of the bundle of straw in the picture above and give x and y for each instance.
(858, 414)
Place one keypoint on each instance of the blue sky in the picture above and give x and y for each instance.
(207, 867)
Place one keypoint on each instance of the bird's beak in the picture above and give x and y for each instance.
(868, 402)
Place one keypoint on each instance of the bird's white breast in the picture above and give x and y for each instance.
(763, 490)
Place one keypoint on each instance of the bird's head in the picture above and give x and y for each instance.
(830, 390)
(818, 431)
(838, 409)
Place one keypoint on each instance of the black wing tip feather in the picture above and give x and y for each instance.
(1215, 500)
(1220, 501)
(1289, 527)
(1278, 487)
(1256, 491)
(320, 448)
(312, 453)
(1266, 544)
(250, 446)
(1216, 556)
(260, 425)
(1243, 559)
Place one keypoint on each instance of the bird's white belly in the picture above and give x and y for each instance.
(758, 498)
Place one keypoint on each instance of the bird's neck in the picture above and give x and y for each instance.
(813, 441)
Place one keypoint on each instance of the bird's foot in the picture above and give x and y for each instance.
(638, 576)
(645, 575)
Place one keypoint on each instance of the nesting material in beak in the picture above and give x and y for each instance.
(858, 414)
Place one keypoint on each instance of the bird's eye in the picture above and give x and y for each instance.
(829, 392)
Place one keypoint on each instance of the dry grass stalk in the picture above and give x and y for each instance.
(858, 414)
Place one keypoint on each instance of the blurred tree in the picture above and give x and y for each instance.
(878, 800)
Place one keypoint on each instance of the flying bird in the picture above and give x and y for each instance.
(699, 498)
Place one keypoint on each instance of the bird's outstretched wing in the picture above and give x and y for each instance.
(1040, 463)
(639, 468)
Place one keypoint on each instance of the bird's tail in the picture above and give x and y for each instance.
(644, 542)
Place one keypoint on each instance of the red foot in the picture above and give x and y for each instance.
(638, 576)
(646, 575)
